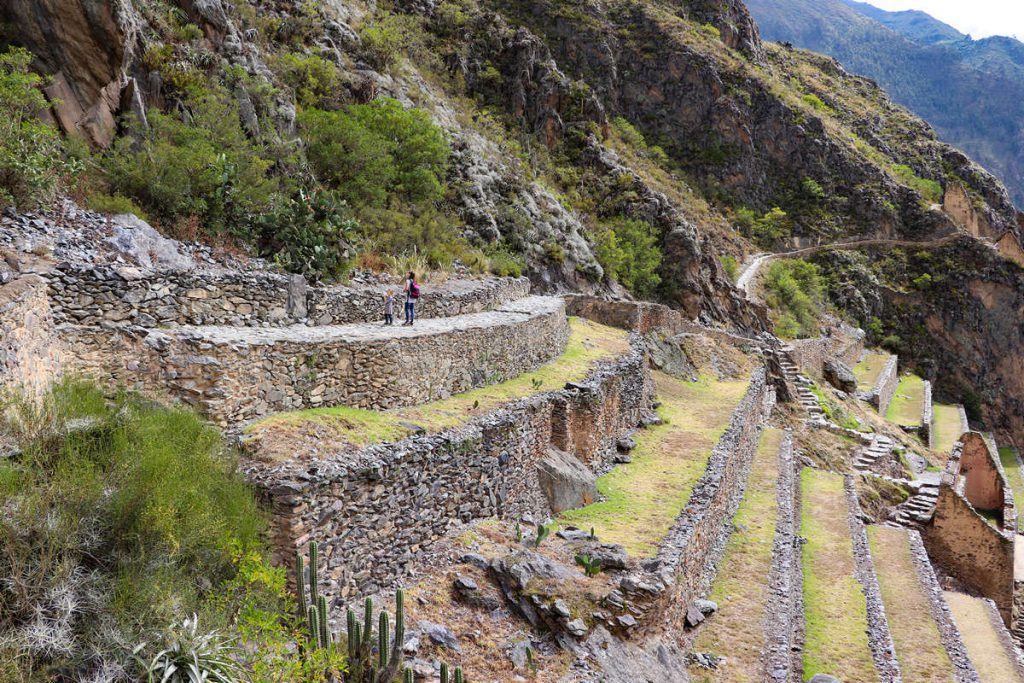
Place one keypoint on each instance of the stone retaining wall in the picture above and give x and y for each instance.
(687, 559)
(782, 657)
(90, 296)
(927, 429)
(964, 544)
(883, 650)
(949, 633)
(31, 354)
(885, 386)
(845, 344)
(236, 375)
(640, 316)
(375, 510)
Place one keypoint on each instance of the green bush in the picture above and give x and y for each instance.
(765, 230)
(114, 204)
(794, 291)
(204, 167)
(730, 266)
(378, 151)
(629, 252)
(504, 263)
(310, 233)
(815, 102)
(120, 517)
(930, 190)
(32, 162)
(314, 79)
(382, 42)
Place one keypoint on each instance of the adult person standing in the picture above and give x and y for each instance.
(412, 293)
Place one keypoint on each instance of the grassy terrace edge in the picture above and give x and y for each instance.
(588, 344)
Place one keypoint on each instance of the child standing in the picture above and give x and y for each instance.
(389, 308)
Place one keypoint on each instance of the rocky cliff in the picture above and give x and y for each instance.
(567, 117)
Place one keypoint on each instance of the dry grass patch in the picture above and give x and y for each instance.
(643, 498)
(281, 435)
(835, 608)
(907, 403)
(919, 647)
(737, 630)
(868, 370)
(947, 426)
(990, 658)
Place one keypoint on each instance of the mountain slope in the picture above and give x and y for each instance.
(971, 91)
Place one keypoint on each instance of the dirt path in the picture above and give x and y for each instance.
(749, 275)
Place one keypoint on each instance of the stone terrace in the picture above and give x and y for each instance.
(238, 374)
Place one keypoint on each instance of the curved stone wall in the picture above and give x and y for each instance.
(235, 375)
(121, 294)
(377, 510)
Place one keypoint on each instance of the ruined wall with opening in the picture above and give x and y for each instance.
(376, 510)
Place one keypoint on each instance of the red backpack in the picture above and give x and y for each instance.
(414, 290)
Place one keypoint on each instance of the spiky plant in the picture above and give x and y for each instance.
(192, 656)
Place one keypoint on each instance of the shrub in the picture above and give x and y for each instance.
(370, 152)
(114, 204)
(812, 189)
(629, 252)
(310, 233)
(765, 230)
(815, 102)
(930, 190)
(32, 163)
(504, 263)
(119, 516)
(730, 266)
(314, 79)
(794, 291)
(192, 655)
(205, 167)
(381, 42)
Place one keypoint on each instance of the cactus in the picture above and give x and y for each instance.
(407, 676)
(300, 583)
(458, 674)
(543, 530)
(322, 633)
(519, 533)
(382, 640)
(314, 574)
(444, 673)
(591, 565)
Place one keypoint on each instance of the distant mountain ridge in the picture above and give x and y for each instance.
(971, 91)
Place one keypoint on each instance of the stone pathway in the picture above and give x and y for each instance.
(880, 447)
(508, 314)
(805, 396)
(919, 508)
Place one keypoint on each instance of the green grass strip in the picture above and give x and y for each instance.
(868, 370)
(947, 427)
(907, 402)
(836, 639)
(644, 497)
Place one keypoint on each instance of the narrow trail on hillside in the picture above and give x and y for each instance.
(750, 272)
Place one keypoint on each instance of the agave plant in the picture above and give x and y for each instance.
(195, 657)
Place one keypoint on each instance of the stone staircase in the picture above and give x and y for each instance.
(802, 383)
(919, 508)
(867, 457)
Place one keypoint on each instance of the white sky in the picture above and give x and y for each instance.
(979, 18)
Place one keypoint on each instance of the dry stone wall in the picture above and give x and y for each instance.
(885, 386)
(87, 295)
(688, 557)
(31, 354)
(844, 343)
(235, 375)
(927, 429)
(374, 511)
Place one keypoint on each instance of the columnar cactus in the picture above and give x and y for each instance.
(370, 660)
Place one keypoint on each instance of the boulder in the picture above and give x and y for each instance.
(439, 635)
(139, 241)
(566, 482)
(840, 376)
